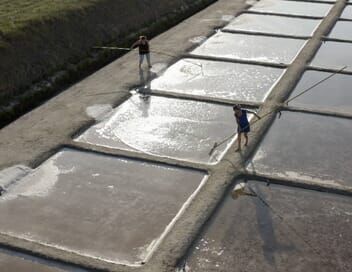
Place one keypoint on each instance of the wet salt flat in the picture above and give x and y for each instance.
(166, 127)
(274, 25)
(307, 147)
(334, 94)
(251, 47)
(334, 55)
(10, 263)
(245, 235)
(347, 12)
(292, 8)
(224, 80)
(100, 206)
(342, 30)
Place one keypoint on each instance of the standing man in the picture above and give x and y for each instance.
(143, 47)
(242, 123)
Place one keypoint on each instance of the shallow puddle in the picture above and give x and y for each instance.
(307, 147)
(94, 205)
(334, 55)
(9, 263)
(166, 127)
(292, 8)
(251, 47)
(247, 235)
(342, 30)
(233, 81)
(347, 12)
(334, 94)
(274, 25)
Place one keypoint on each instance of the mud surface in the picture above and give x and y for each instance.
(10, 263)
(347, 13)
(332, 55)
(334, 94)
(103, 201)
(307, 147)
(246, 235)
(342, 30)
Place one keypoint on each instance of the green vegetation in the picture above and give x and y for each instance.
(46, 45)
(17, 14)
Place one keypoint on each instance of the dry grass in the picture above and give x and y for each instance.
(15, 15)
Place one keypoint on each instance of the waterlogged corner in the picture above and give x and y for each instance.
(250, 48)
(306, 147)
(215, 79)
(134, 203)
(274, 228)
(165, 127)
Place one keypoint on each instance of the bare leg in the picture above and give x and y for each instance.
(141, 58)
(239, 142)
(246, 137)
(148, 60)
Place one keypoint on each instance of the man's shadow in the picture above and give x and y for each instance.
(266, 228)
(144, 89)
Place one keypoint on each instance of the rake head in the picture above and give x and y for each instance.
(213, 149)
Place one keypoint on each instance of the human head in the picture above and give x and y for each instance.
(236, 107)
(142, 38)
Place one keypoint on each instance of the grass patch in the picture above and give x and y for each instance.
(15, 15)
(27, 15)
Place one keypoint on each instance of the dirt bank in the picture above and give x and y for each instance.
(58, 43)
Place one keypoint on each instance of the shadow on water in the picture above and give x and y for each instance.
(144, 90)
(266, 229)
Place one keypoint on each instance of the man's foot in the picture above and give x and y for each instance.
(238, 149)
(150, 66)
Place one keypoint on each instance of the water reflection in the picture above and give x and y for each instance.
(292, 7)
(234, 81)
(165, 127)
(251, 47)
(274, 24)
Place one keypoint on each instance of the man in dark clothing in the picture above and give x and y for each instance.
(143, 47)
(243, 126)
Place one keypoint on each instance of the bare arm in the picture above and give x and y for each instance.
(135, 44)
(253, 112)
(237, 120)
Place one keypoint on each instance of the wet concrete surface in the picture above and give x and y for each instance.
(10, 263)
(292, 8)
(274, 25)
(347, 13)
(342, 31)
(307, 147)
(99, 206)
(334, 94)
(224, 80)
(160, 126)
(251, 47)
(333, 55)
(302, 231)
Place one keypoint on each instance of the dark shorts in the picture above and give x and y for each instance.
(243, 129)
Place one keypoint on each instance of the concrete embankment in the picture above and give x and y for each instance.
(58, 50)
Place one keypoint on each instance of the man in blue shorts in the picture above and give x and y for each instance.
(242, 123)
